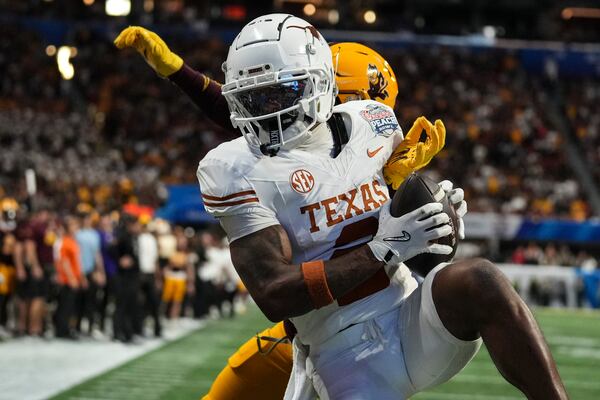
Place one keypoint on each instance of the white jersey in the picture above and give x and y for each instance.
(326, 205)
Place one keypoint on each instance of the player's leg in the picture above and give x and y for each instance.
(473, 298)
(362, 362)
(432, 354)
(252, 375)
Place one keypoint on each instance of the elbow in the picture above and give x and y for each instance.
(272, 305)
(273, 313)
(278, 300)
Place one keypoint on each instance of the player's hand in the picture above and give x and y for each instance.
(457, 199)
(412, 154)
(154, 50)
(402, 238)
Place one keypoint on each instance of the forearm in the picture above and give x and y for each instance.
(346, 272)
(291, 294)
(278, 286)
(205, 93)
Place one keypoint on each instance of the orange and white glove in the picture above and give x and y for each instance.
(154, 50)
(412, 154)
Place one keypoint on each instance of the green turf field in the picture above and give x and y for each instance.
(184, 369)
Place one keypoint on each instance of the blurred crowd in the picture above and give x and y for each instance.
(552, 254)
(110, 275)
(116, 133)
(552, 291)
(501, 147)
(582, 106)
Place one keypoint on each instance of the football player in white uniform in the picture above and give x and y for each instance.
(312, 238)
(259, 369)
(433, 335)
(302, 210)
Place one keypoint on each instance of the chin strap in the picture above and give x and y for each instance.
(339, 133)
(268, 152)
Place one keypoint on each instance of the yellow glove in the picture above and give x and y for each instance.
(154, 50)
(412, 154)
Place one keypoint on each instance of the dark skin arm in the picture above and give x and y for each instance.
(263, 261)
(206, 95)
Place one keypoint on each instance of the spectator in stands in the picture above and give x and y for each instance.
(31, 283)
(202, 289)
(586, 262)
(566, 256)
(167, 243)
(92, 264)
(533, 254)
(70, 279)
(219, 271)
(107, 243)
(7, 272)
(43, 230)
(518, 255)
(128, 280)
(176, 281)
(551, 255)
(150, 275)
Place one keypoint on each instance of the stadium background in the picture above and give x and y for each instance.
(517, 84)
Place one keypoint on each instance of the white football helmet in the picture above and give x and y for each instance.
(279, 81)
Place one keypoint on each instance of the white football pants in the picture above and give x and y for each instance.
(392, 356)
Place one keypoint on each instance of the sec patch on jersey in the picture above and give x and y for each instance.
(381, 118)
(414, 192)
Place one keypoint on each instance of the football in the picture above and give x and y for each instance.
(413, 193)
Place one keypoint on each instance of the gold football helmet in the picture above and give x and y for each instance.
(361, 74)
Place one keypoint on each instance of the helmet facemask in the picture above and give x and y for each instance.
(277, 110)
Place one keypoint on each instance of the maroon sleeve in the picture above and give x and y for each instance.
(205, 93)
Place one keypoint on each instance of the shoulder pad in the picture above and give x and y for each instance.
(223, 183)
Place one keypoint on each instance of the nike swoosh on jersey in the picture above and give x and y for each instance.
(404, 238)
(372, 154)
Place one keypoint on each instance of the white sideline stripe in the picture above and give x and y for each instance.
(35, 369)
(498, 380)
(574, 341)
(463, 396)
(579, 352)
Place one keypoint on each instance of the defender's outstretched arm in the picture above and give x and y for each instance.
(203, 91)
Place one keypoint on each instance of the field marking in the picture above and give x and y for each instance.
(574, 341)
(462, 396)
(35, 369)
(498, 380)
(579, 352)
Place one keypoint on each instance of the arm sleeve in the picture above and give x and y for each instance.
(230, 197)
(205, 93)
(240, 225)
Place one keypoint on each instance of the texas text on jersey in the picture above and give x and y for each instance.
(326, 205)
